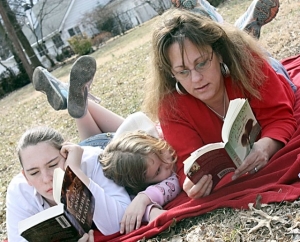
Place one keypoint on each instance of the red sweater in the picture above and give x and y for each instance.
(192, 125)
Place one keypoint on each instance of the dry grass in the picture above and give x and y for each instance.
(122, 69)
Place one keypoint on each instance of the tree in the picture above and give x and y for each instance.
(37, 24)
(4, 10)
(22, 38)
(7, 45)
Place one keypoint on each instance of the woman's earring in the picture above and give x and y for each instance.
(178, 89)
(224, 69)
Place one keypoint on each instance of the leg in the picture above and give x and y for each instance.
(97, 120)
(202, 7)
(279, 68)
(259, 13)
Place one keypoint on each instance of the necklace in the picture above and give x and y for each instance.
(219, 115)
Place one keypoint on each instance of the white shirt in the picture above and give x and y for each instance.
(23, 201)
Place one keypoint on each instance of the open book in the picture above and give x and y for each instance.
(69, 219)
(239, 132)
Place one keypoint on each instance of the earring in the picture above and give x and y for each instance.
(224, 69)
(178, 89)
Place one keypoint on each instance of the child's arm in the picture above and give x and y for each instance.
(73, 155)
(164, 191)
(155, 196)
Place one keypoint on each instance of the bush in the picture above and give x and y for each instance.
(81, 44)
(10, 83)
(101, 38)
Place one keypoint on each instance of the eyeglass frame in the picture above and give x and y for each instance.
(195, 69)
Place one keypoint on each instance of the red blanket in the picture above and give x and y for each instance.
(276, 182)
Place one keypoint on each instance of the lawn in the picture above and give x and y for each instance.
(122, 68)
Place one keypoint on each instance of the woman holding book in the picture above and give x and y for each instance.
(198, 67)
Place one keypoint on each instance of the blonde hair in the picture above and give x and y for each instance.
(124, 159)
(36, 135)
(240, 52)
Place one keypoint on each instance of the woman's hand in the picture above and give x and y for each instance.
(72, 153)
(87, 237)
(201, 189)
(134, 213)
(258, 157)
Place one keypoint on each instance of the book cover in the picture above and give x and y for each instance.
(239, 132)
(69, 219)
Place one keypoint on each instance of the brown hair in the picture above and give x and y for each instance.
(240, 52)
(37, 135)
(124, 159)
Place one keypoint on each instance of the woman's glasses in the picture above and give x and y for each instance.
(199, 67)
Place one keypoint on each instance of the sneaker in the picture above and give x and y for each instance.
(259, 13)
(81, 77)
(55, 90)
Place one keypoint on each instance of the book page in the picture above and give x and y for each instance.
(58, 177)
(242, 135)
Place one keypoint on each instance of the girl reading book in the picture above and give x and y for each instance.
(154, 159)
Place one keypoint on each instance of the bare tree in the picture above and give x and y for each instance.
(21, 36)
(4, 10)
(37, 24)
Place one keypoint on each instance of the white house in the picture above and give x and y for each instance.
(55, 21)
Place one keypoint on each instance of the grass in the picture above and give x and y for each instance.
(122, 67)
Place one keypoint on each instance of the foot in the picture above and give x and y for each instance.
(259, 13)
(55, 90)
(81, 77)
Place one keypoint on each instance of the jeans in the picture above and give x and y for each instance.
(100, 140)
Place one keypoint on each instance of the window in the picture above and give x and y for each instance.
(42, 49)
(77, 30)
(71, 32)
(57, 41)
(74, 31)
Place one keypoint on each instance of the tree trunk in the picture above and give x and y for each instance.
(21, 36)
(12, 50)
(14, 38)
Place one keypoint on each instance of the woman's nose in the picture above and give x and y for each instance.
(196, 76)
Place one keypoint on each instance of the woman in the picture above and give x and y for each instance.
(198, 67)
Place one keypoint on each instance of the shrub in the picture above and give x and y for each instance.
(100, 38)
(10, 83)
(81, 44)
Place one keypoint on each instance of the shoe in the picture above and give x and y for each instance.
(81, 77)
(259, 13)
(55, 90)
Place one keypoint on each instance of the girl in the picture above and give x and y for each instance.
(153, 157)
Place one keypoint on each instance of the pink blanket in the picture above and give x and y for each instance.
(276, 182)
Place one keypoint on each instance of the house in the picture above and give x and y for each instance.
(52, 23)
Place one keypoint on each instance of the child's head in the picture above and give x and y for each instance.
(39, 154)
(135, 160)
